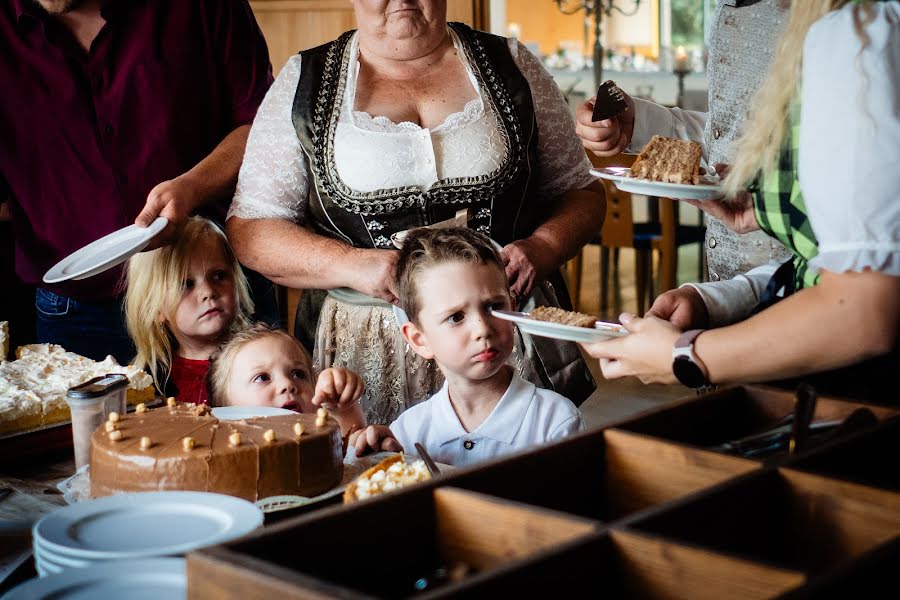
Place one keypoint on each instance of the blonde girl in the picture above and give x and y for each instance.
(182, 302)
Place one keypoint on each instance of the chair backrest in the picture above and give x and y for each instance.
(618, 228)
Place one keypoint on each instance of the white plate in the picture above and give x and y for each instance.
(56, 560)
(105, 253)
(238, 413)
(532, 326)
(621, 177)
(148, 579)
(145, 524)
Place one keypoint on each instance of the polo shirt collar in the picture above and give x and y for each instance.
(502, 424)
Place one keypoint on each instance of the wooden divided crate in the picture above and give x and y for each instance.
(649, 507)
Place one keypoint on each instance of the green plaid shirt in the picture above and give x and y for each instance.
(779, 205)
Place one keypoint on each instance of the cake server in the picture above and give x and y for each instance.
(429, 462)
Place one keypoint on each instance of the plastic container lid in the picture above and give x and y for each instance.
(98, 387)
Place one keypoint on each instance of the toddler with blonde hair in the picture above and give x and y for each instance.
(263, 366)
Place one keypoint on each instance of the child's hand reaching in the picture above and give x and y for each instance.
(375, 438)
(338, 390)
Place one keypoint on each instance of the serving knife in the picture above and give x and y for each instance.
(429, 462)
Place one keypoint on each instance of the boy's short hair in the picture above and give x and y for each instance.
(427, 247)
(220, 363)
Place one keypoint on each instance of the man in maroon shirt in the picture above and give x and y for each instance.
(113, 112)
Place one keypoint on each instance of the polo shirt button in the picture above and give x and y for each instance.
(108, 129)
(711, 242)
(468, 444)
(716, 133)
(714, 276)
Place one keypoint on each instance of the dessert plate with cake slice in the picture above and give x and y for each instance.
(666, 167)
(562, 324)
(707, 188)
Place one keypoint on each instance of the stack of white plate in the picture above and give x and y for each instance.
(145, 579)
(138, 526)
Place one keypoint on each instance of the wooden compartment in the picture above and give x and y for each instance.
(626, 565)
(869, 458)
(603, 475)
(735, 412)
(873, 577)
(791, 519)
(380, 548)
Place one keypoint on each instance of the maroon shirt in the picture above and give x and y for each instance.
(189, 377)
(84, 137)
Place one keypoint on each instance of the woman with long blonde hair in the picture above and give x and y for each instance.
(182, 302)
(816, 168)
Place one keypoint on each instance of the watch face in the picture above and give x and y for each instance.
(687, 372)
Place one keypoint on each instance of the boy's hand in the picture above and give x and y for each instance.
(374, 438)
(338, 389)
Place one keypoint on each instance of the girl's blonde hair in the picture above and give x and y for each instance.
(155, 283)
(763, 133)
(220, 364)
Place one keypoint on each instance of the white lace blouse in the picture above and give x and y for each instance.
(374, 153)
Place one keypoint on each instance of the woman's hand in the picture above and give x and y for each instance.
(376, 272)
(646, 353)
(609, 136)
(526, 264)
(374, 438)
(682, 307)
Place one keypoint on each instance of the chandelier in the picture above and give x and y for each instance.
(596, 9)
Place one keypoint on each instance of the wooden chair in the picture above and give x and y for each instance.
(662, 236)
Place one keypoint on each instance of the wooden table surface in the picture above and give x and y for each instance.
(27, 492)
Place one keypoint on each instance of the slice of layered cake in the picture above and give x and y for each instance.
(563, 317)
(669, 160)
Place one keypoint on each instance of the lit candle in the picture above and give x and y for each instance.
(681, 60)
(513, 30)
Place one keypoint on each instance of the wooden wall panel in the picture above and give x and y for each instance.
(294, 25)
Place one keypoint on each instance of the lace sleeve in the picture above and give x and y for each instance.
(273, 182)
(563, 164)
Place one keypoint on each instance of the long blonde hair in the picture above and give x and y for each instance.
(763, 132)
(155, 281)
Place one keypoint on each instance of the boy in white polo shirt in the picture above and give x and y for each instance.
(449, 281)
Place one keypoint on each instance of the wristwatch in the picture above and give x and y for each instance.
(688, 368)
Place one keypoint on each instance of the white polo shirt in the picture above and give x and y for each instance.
(526, 416)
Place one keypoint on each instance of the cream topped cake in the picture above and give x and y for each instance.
(33, 387)
(390, 474)
(183, 447)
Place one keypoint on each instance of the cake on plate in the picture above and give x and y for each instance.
(33, 387)
(669, 160)
(563, 317)
(183, 447)
(390, 474)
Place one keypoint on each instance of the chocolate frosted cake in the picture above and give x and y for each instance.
(669, 160)
(184, 447)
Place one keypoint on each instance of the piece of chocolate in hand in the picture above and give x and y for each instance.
(610, 101)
